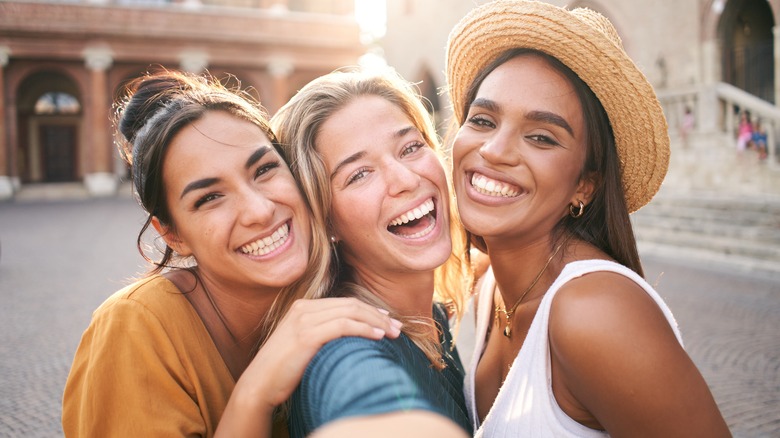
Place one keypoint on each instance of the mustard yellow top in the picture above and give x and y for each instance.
(147, 367)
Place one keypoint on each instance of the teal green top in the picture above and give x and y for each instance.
(352, 377)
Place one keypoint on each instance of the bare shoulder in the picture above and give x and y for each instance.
(602, 314)
(603, 300)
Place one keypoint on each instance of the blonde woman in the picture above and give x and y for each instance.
(365, 151)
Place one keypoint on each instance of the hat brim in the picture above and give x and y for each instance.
(636, 117)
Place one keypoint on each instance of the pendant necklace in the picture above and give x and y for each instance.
(509, 313)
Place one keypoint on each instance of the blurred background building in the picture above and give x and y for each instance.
(63, 62)
(717, 58)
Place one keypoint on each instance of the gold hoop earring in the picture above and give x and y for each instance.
(576, 213)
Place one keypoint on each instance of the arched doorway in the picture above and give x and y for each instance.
(49, 115)
(747, 44)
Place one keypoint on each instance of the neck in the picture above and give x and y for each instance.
(243, 311)
(409, 294)
(517, 267)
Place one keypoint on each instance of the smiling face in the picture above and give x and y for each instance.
(389, 205)
(234, 205)
(519, 155)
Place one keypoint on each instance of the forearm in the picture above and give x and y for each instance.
(246, 415)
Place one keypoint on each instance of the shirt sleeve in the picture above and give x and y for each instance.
(353, 377)
(127, 379)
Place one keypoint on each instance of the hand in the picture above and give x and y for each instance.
(276, 370)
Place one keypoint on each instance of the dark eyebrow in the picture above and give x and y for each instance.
(199, 184)
(206, 182)
(539, 116)
(551, 118)
(485, 103)
(256, 156)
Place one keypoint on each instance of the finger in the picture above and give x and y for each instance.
(317, 312)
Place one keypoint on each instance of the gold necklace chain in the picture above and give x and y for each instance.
(508, 313)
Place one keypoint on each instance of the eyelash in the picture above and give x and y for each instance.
(543, 139)
(410, 149)
(260, 171)
(481, 121)
(205, 198)
(536, 138)
(265, 168)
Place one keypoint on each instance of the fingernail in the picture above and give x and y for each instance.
(379, 333)
(381, 310)
(396, 323)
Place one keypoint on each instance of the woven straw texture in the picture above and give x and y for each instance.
(587, 43)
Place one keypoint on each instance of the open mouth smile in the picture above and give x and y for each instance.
(416, 222)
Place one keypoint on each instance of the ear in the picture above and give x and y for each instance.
(171, 238)
(586, 188)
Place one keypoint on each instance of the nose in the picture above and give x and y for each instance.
(501, 148)
(255, 208)
(400, 178)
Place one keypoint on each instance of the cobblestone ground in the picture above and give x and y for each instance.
(730, 328)
(61, 259)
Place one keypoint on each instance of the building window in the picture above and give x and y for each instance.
(55, 102)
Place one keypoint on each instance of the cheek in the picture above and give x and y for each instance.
(457, 151)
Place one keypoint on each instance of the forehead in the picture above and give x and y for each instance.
(218, 131)
(528, 76)
(364, 123)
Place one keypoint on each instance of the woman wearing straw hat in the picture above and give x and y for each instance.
(560, 138)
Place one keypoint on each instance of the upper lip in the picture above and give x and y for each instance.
(492, 174)
(268, 234)
(419, 203)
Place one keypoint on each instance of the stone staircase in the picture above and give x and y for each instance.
(733, 233)
(716, 208)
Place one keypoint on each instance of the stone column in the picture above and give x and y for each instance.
(280, 71)
(6, 184)
(194, 61)
(776, 33)
(707, 114)
(99, 179)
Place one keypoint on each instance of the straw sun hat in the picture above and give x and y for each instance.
(587, 43)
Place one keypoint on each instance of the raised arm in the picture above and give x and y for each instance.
(277, 369)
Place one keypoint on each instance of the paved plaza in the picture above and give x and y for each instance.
(60, 259)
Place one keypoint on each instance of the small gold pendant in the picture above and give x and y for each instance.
(508, 332)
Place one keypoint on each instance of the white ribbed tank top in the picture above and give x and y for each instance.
(525, 405)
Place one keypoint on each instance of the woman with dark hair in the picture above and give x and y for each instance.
(560, 138)
(168, 354)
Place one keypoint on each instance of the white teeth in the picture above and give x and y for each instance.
(268, 243)
(416, 213)
(491, 187)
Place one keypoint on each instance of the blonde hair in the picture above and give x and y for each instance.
(297, 125)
